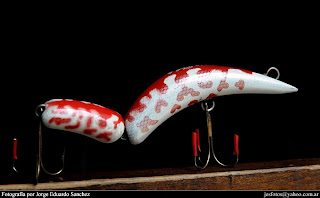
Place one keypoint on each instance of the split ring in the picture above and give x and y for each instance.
(209, 109)
(39, 109)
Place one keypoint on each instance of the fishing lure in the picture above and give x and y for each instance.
(184, 87)
(92, 120)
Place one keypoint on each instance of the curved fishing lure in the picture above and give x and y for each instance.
(92, 120)
(184, 87)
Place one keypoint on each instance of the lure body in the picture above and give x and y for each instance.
(95, 121)
(184, 87)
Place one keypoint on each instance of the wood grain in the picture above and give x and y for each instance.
(275, 178)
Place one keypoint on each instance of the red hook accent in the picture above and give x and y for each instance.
(194, 144)
(236, 144)
(14, 153)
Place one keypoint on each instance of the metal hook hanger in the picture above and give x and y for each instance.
(273, 68)
(196, 143)
(39, 161)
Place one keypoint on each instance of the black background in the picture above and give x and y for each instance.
(111, 63)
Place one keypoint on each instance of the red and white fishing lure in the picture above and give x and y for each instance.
(184, 87)
(92, 120)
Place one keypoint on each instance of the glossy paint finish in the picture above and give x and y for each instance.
(92, 120)
(181, 88)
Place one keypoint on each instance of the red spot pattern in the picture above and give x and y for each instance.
(141, 107)
(180, 76)
(130, 118)
(185, 92)
(205, 85)
(78, 108)
(59, 111)
(193, 102)
(160, 103)
(89, 121)
(175, 107)
(143, 125)
(73, 126)
(223, 85)
(105, 135)
(240, 84)
(59, 121)
(163, 90)
(206, 69)
(102, 124)
(202, 73)
(159, 85)
(211, 96)
(75, 113)
(116, 123)
(89, 131)
(76, 105)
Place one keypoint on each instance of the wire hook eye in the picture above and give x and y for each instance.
(209, 109)
(273, 68)
(39, 109)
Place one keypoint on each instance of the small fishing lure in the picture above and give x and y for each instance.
(184, 87)
(91, 120)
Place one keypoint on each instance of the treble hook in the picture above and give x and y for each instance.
(196, 142)
(39, 161)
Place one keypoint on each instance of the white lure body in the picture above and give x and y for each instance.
(184, 87)
(92, 120)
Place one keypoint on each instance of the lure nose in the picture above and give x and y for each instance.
(280, 87)
(291, 88)
(267, 85)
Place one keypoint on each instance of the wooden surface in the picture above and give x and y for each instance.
(303, 174)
